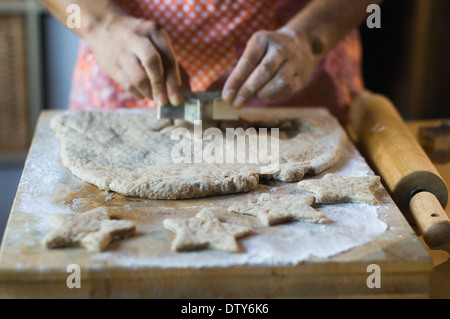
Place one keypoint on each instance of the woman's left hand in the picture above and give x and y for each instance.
(274, 65)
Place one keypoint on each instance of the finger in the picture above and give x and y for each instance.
(173, 83)
(125, 83)
(185, 79)
(136, 76)
(283, 84)
(251, 57)
(151, 62)
(262, 74)
(135, 93)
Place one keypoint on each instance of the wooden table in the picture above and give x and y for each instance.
(27, 269)
(440, 276)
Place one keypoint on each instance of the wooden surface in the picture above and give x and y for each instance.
(27, 269)
(440, 275)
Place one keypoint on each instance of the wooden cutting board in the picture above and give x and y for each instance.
(143, 266)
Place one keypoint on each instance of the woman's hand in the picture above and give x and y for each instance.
(274, 65)
(138, 54)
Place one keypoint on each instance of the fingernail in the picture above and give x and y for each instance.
(229, 95)
(239, 102)
(176, 99)
(147, 93)
(161, 99)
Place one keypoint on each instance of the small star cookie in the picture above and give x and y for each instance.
(92, 230)
(205, 230)
(333, 188)
(273, 209)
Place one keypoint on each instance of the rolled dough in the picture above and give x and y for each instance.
(333, 188)
(130, 153)
(93, 230)
(205, 230)
(274, 209)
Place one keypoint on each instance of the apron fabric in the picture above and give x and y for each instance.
(208, 36)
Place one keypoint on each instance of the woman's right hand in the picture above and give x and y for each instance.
(138, 54)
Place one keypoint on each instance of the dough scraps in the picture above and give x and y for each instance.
(130, 153)
(273, 209)
(205, 231)
(333, 188)
(93, 230)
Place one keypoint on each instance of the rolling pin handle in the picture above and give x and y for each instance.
(431, 219)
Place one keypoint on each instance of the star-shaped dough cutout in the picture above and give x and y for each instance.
(333, 188)
(205, 231)
(273, 209)
(93, 230)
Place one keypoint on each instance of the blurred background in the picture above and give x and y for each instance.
(407, 60)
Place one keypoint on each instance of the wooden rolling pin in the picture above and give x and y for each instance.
(407, 172)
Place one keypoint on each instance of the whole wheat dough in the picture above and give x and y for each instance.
(333, 188)
(130, 153)
(273, 209)
(93, 230)
(205, 230)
